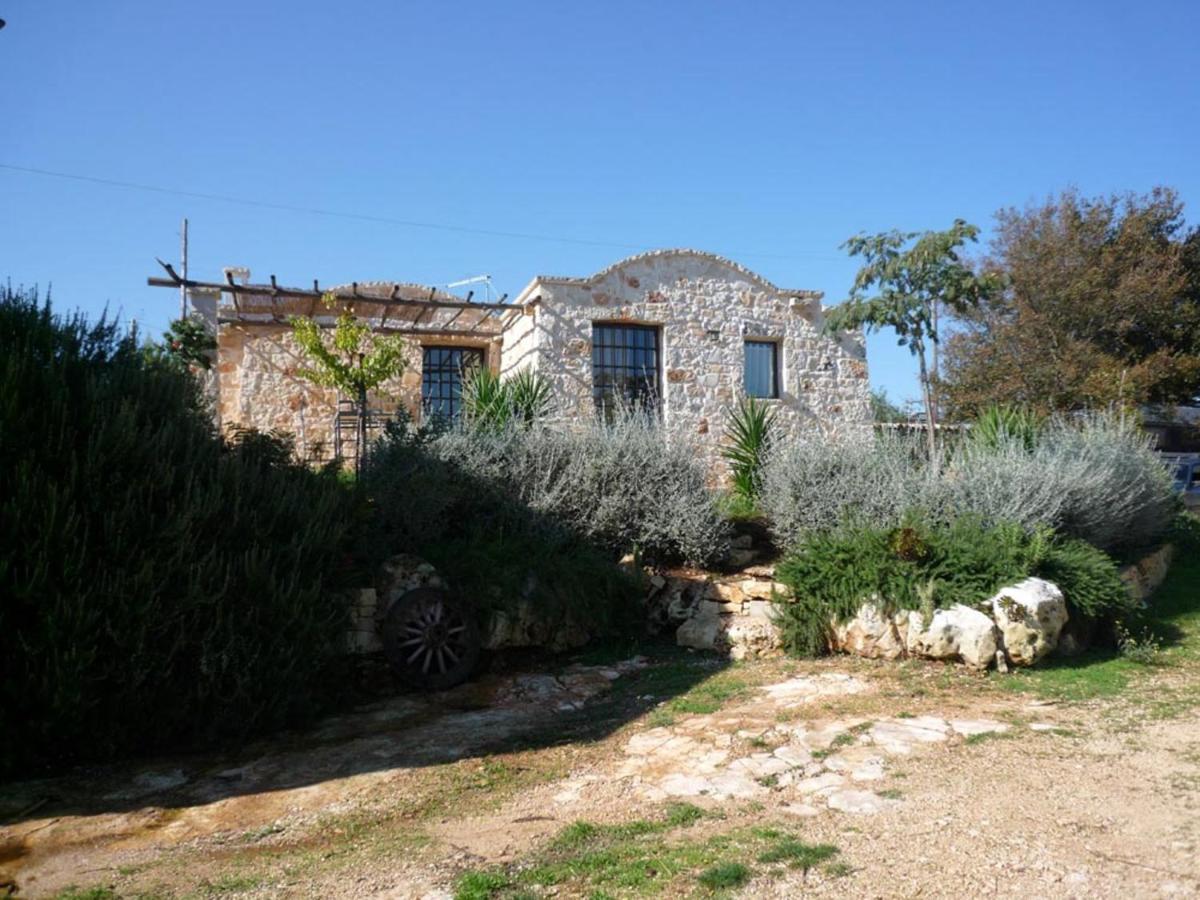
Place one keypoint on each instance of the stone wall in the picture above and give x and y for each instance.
(705, 308)
(258, 381)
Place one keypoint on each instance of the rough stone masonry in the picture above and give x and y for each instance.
(696, 309)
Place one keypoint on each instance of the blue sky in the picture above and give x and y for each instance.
(768, 132)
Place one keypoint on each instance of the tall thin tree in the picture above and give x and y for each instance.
(355, 361)
(905, 276)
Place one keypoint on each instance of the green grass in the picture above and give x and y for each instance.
(1173, 617)
(682, 684)
(643, 857)
(723, 876)
(797, 854)
(92, 893)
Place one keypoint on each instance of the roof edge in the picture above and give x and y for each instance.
(673, 251)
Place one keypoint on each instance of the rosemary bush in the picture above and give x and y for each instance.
(921, 565)
(158, 586)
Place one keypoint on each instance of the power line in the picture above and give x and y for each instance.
(365, 217)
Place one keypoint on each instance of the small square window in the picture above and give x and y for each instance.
(762, 369)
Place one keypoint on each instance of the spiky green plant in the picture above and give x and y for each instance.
(490, 401)
(746, 439)
(1000, 425)
(530, 397)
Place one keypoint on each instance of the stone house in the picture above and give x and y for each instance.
(685, 332)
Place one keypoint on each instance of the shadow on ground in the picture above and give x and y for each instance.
(530, 705)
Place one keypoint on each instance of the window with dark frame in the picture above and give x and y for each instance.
(625, 361)
(762, 369)
(443, 370)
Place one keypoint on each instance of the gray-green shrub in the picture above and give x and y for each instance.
(1093, 477)
(621, 485)
(813, 483)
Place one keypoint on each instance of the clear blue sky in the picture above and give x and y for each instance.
(768, 132)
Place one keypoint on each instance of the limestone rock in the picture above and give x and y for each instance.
(672, 601)
(703, 630)
(726, 592)
(403, 573)
(752, 636)
(957, 633)
(521, 625)
(872, 634)
(1030, 615)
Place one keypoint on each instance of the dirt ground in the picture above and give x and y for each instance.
(672, 774)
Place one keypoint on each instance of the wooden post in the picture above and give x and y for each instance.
(183, 268)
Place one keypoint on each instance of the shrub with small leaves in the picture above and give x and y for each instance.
(159, 586)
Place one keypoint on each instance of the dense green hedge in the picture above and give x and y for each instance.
(157, 585)
(831, 573)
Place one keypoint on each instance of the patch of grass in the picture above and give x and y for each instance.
(92, 893)
(645, 856)
(581, 834)
(1093, 675)
(891, 794)
(709, 696)
(724, 876)
(797, 854)
(259, 834)
(838, 869)
(479, 885)
(985, 736)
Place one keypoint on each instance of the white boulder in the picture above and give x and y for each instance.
(957, 633)
(871, 633)
(1030, 616)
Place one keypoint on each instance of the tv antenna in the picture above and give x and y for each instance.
(485, 280)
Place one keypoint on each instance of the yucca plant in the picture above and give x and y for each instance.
(999, 425)
(529, 396)
(747, 436)
(485, 400)
(494, 402)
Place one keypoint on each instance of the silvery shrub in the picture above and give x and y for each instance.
(1092, 476)
(622, 484)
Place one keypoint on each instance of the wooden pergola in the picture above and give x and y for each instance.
(438, 313)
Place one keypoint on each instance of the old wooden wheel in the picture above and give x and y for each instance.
(431, 639)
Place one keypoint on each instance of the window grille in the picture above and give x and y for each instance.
(443, 370)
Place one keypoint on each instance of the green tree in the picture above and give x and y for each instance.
(905, 278)
(354, 361)
(1101, 307)
(884, 410)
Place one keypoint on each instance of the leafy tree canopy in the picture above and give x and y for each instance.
(1101, 306)
(905, 278)
(355, 360)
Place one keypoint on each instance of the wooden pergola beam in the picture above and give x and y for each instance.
(271, 291)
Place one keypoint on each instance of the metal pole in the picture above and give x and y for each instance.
(183, 269)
